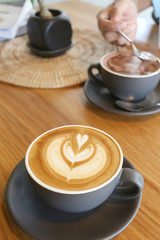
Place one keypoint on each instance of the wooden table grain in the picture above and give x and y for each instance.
(26, 113)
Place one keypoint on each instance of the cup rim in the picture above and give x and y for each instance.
(127, 75)
(71, 192)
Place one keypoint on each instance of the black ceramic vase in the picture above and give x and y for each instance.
(51, 36)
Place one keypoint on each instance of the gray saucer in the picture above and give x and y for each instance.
(41, 221)
(100, 96)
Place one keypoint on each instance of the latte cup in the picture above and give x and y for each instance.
(76, 168)
(129, 85)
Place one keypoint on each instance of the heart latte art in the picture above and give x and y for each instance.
(74, 158)
(75, 161)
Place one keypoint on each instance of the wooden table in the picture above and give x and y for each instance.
(26, 113)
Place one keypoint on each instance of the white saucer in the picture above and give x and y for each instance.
(41, 221)
(100, 96)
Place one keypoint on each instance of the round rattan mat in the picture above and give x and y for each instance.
(19, 66)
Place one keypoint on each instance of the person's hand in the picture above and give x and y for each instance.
(121, 15)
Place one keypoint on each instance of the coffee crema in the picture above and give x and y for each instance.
(74, 158)
(125, 62)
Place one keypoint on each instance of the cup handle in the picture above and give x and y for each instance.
(93, 77)
(130, 185)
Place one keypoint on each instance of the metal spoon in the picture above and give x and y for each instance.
(135, 107)
(140, 54)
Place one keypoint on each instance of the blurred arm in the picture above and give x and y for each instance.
(142, 4)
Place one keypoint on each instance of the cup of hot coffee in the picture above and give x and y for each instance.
(75, 168)
(126, 76)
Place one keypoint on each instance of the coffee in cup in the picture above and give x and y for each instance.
(126, 76)
(70, 165)
(125, 62)
(74, 158)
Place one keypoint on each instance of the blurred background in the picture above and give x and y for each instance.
(146, 14)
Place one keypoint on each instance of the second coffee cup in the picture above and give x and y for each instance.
(125, 76)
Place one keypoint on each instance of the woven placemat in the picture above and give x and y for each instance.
(19, 66)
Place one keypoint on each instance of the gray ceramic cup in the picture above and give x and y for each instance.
(128, 183)
(122, 86)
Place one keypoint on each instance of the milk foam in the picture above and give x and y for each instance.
(62, 157)
(74, 158)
